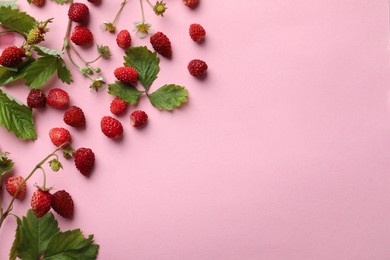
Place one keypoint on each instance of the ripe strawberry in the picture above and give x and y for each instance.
(111, 127)
(197, 32)
(138, 118)
(81, 35)
(40, 202)
(84, 160)
(78, 12)
(38, 2)
(191, 3)
(123, 39)
(161, 44)
(59, 136)
(126, 75)
(62, 203)
(197, 68)
(12, 56)
(118, 106)
(13, 184)
(36, 99)
(94, 1)
(57, 98)
(74, 116)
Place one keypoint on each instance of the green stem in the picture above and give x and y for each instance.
(77, 53)
(142, 11)
(44, 178)
(38, 166)
(119, 11)
(150, 4)
(92, 61)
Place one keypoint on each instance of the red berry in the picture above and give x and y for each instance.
(191, 3)
(161, 44)
(84, 160)
(38, 2)
(118, 106)
(12, 56)
(126, 75)
(62, 203)
(13, 184)
(36, 99)
(197, 68)
(59, 136)
(74, 116)
(94, 1)
(197, 32)
(111, 127)
(81, 35)
(78, 12)
(40, 202)
(123, 39)
(58, 98)
(138, 118)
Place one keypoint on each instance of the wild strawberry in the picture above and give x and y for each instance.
(197, 32)
(38, 2)
(191, 3)
(161, 44)
(94, 1)
(13, 184)
(126, 75)
(138, 118)
(62, 203)
(78, 12)
(36, 99)
(123, 39)
(12, 56)
(57, 98)
(111, 127)
(40, 202)
(74, 116)
(59, 136)
(81, 35)
(36, 36)
(118, 106)
(197, 68)
(84, 160)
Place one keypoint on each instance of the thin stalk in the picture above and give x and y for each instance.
(119, 11)
(142, 10)
(150, 4)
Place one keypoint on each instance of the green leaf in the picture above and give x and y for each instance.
(16, 117)
(14, 252)
(145, 62)
(61, 2)
(8, 76)
(6, 164)
(127, 93)
(16, 20)
(11, 4)
(38, 73)
(169, 96)
(71, 245)
(35, 234)
(63, 72)
(44, 51)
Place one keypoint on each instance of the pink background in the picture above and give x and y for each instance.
(282, 153)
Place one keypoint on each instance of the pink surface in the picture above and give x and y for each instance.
(282, 153)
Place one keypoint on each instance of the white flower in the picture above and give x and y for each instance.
(143, 29)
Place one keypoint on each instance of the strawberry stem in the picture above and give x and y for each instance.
(119, 12)
(142, 11)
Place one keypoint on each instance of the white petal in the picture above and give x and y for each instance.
(141, 35)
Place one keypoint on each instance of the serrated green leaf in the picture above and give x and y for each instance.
(16, 117)
(13, 254)
(11, 4)
(44, 51)
(38, 73)
(169, 97)
(145, 62)
(8, 76)
(36, 234)
(61, 2)
(16, 20)
(63, 72)
(127, 93)
(71, 245)
(6, 164)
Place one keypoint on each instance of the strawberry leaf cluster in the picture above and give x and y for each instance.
(41, 238)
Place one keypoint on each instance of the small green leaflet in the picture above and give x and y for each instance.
(169, 97)
(38, 73)
(61, 2)
(6, 164)
(44, 51)
(127, 93)
(145, 62)
(40, 238)
(7, 76)
(16, 117)
(15, 20)
(11, 4)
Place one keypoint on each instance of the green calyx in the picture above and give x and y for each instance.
(159, 8)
